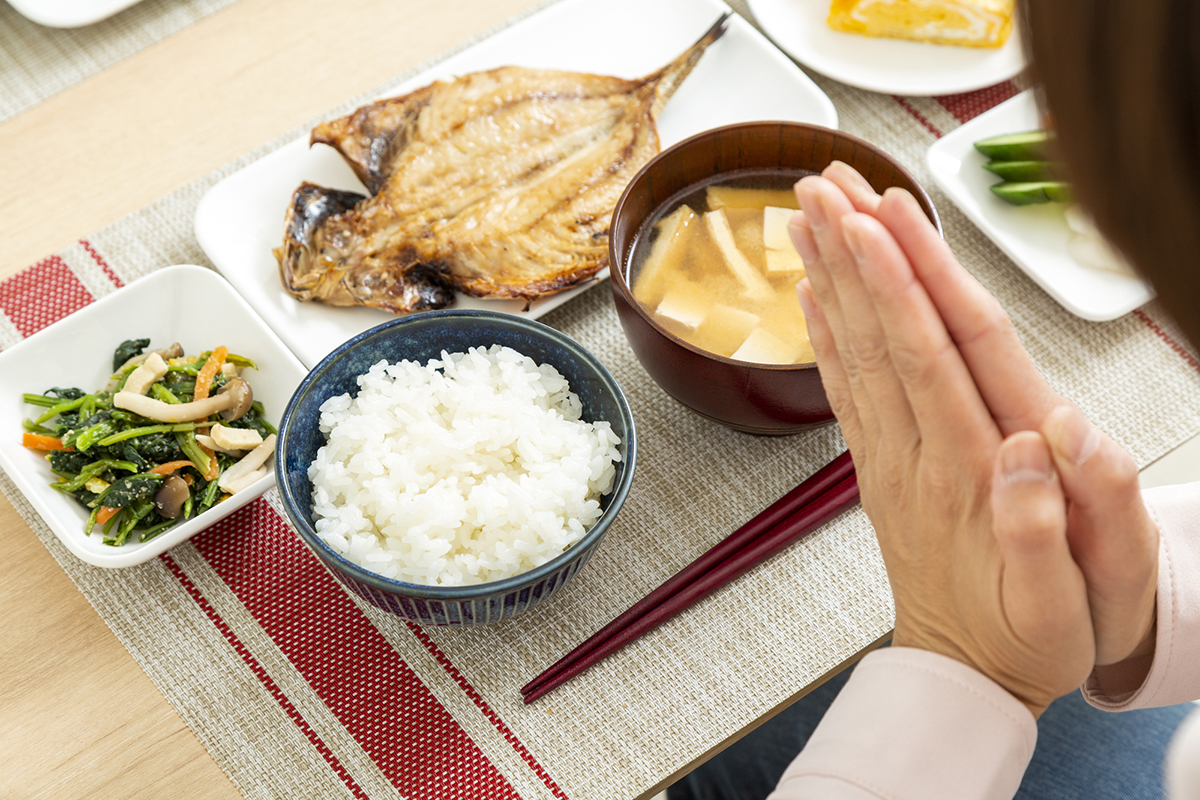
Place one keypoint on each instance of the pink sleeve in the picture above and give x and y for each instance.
(1172, 675)
(910, 724)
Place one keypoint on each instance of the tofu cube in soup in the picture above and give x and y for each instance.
(716, 267)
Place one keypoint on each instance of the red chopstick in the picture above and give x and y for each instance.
(811, 488)
(824, 495)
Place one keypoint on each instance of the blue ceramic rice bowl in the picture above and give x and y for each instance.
(420, 338)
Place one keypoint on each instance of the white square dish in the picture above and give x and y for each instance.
(1035, 236)
(741, 77)
(191, 305)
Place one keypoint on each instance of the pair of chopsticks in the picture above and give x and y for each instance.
(825, 494)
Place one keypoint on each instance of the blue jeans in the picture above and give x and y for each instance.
(1082, 752)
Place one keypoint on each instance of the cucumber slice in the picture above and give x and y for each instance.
(1059, 192)
(1024, 171)
(1029, 192)
(1028, 146)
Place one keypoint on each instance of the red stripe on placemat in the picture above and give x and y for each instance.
(372, 692)
(1182, 351)
(262, 675)
(112, 276)
(907, 106)
(969, 105)
(492, 716)
(42, 295)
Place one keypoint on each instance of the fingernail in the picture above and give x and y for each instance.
(811, 203)
(906, 196)
(853, 233)
(1075, 437)
(1024, 458)
(854, 175)
(801, 236)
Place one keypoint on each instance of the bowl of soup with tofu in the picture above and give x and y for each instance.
(704, 274)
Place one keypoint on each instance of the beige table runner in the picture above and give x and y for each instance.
(298, 691)
(37, 62)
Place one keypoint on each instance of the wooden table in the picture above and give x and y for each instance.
(78, 717)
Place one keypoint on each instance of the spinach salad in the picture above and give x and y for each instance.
(166, 439)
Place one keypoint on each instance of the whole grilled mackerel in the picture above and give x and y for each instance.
(497, 184)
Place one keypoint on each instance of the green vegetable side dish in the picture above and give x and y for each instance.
(1024, 162)
(168, 438)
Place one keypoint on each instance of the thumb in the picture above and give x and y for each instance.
(1043, 590)
(1111, 534)
(1101, 480)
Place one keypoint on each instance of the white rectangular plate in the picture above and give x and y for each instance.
(741, 77)
(187, 304)
(1035, 237)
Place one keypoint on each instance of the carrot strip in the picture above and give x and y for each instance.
(105, 514)
(171, 466)
(204, 379)
(206, 374)
(214, 466)
(35, 441)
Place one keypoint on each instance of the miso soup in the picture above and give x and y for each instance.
(715, 266)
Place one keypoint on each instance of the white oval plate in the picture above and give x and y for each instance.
(1034, 237)
(890, 66)
(187, 304)
(741, 77)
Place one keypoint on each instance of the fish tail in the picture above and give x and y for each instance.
(665, 81)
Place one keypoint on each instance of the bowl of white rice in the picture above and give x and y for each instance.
(456, 467)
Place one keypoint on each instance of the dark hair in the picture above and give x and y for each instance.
(1120, 80)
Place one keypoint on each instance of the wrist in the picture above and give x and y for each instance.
(932, 642)
(1147, 645)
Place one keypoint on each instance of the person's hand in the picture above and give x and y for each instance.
(1111, 534)
(972, 526)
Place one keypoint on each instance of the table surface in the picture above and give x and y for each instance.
(79, 716)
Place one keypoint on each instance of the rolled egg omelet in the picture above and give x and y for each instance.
(972, 23)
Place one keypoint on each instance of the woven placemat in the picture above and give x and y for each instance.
(298, 690)
(37, 62)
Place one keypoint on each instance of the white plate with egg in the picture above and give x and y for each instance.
(1036, 237)
(742, 77)
(890, 66)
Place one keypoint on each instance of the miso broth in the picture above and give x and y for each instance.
(715, 266)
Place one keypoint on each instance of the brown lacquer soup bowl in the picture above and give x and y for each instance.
(756, 398)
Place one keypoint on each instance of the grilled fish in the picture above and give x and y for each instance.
(496, 184)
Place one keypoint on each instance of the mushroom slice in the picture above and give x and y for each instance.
(149, 371)
(250, 462)
(171, 496)
(243, 398)
(167, 412)
(235, 438)
(174, 350)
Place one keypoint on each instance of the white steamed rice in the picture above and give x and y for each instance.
(469, 469)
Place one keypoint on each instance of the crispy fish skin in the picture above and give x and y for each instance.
(309, 273)
(498, 184)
